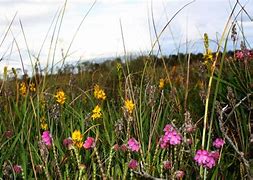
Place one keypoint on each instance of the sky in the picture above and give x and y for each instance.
(100, 35)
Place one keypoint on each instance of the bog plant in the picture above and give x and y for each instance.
(148, 121)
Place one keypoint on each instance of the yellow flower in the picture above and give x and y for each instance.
(60, 97)
(129, 105)
(32, 87)
(78, 144)
(99, 93)
(96, 113)
(43, 126)
(22, 88)
(77, 136)
(161, 83)
(208, 55)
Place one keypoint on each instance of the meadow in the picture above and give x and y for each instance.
(183, 116)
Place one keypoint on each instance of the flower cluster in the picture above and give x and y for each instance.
(133, 145)
(206, 159)
(43, 123)
(129, 106)
(96, 113)
(47, 138)
(77, 138)
(99, 93)
(244, 54)
(89, 143)
(171, 137)
(22, 88)
(32, 87)
(60, 97)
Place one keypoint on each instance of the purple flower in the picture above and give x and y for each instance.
(205, 159)
(47, 138)
(133, 145)
(17, 169)
(218, 143)
(133, 164)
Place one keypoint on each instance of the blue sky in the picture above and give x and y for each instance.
(100, 34)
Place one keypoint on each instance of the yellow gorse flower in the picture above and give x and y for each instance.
(77, 138)
(161, 83)
(96, 113)
(129, 105)
(99, 93)
(22, 88)
(60, 97)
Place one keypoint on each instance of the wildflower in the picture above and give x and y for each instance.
(22, 89)
(17, 169)
(205, 159)
(133, 164)
(47, 138)
(77, 138)
(171, 137)
(179, 174)
(239, 55)
(116, 147)
(133, 145)
(167, 165)
(8, 134)
(215, 155)
(67, 142)
(123, 147)
(161, 83)
(44, 126)
(129, 105)
(96, 113)
(32, 87)
(89, 143)
(218, 143)
(60, 97)
(99, 93)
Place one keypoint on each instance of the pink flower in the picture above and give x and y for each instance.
(47, 138)
(215, 155)
(239, 55)
(116, 147)
(173, 137)
(218, 143)
(168, 128)
(205, 159)
(167, 165)
(123, 147)
(17, 169)
(133, 164)
(67, 142)
(179, 174)
(164, 142)
(133, 145)
(89, 143)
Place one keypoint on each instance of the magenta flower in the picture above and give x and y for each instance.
(218, 143)
(17, 169)
(133, 164)
(168, 128)
(215, 154)
(167, 165)
(179, 174)
(47, 138)
(89, 143)
(164, 142)
(205, 159)
(239, 55)
(67, 142)
(173, 137)
(133, 145)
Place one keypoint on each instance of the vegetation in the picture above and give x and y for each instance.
(184, 116)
